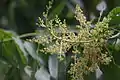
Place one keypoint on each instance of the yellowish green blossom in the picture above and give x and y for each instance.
(88, 45)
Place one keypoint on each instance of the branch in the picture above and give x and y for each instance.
(68, 40)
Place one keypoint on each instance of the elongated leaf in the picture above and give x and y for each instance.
(13, 74)
(117, 45)
(53, 66)
(58, 9)
(21, 50)
(7, 46)
(4, 35)
(62, 70)
(42, 74)
(11, 48)
(111, 72)
(9, 53)
(32, 52)
(115, 16)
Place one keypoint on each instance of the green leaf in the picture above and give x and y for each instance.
(5, 35)
(58, 9)
(62, 70)
(32, 52)
(111, 72)
(21, 50)
(13, 74)
(115, 16)
(91, 76)
(53, 66)
(12, 50)
(8, 49)
(117, 45)
(42, 74)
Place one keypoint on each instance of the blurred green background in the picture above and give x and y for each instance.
(20, 16)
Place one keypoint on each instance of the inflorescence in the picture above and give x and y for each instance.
(88, 44)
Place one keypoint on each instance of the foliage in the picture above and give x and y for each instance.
(60, 53)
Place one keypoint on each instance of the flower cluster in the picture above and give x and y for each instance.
(88, 45)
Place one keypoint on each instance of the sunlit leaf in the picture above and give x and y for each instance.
(53, 66)
(42, 74)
